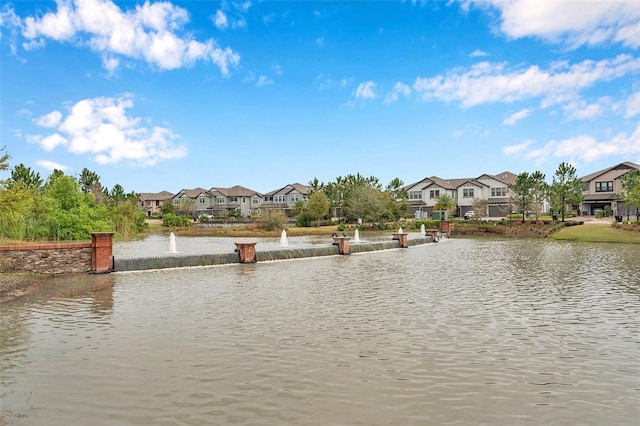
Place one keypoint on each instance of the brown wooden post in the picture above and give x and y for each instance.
(101, 252)
(247, 252)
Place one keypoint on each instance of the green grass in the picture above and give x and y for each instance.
(596, 234)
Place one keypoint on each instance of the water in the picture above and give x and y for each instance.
(356, 236)
(284, 242)
(463, 333)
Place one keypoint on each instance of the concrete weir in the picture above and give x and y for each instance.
(255, 255)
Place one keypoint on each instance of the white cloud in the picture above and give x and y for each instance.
(581, 110)
(494, 83)
(49, 120)
(514, 149)
(366, 90)
(276, 69)
(585, 148)
(398, 89)
(220, 20)
(632, 106)
(263, 81)
(151, 32)
(516, 116)
(573, 22)
(478, 53)
(101, 128)
(320, 41)
(51, 165)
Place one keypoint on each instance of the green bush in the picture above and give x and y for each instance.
(171, 219)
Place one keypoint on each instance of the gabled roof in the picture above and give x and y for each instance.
(192, 193)
(505, 177)
(421, 183)
(622, 168)
(236, 191)
(303, 189)
(153, 196)
(442, 183)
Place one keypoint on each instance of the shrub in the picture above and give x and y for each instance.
(271, 220)
(171, 219)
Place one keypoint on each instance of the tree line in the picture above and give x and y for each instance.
(63, 207)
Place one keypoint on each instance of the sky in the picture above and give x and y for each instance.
(182, 94)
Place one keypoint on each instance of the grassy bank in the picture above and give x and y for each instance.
(597, 234)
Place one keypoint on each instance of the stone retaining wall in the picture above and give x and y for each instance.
(47, 258)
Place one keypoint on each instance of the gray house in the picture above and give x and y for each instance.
(285, 198)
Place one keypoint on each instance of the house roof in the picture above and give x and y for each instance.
(621, 168)
(153, 196)
(303, 189)
(236, 191)
(192, 193)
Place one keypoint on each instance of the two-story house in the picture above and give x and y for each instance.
(192, 202)
(150, 202)
(601, 189)
(245, 202)
(492, 188)
(285, 198)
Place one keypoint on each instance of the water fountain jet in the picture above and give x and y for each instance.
(356, 236)
(172, 244)
(284, 242)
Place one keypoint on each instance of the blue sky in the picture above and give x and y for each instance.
(171, 95)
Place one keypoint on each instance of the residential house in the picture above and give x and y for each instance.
(601, 189)
(286, 197)
(492, 188)
(496, 192)
(150, 202)
(192, 202)
(244, 201)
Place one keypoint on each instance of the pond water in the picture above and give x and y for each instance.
(463, 332)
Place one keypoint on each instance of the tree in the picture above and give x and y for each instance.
(539, 193)
(272, 219)
(364, 202)
(479, 207)
(25, 176)
(167, 207)
(566, 188)
(318, 205)
(88, 180)
(396, 190)
(445, 202)
(522, 192)
(117, 194)
(630, 194)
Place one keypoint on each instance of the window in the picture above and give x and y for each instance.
(467, 193)
(176, 202)
(256, 200)
(434, 193)
(233, 199)
(201, 200)
(585, 186)
(220, 200)
(604, 186)
(415, 195)
(157, 203)
(244, 200)
(499, 192)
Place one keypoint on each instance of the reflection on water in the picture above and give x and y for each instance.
(462, 332)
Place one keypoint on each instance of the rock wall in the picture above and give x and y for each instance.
(47, 258)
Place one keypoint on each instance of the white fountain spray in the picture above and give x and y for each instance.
(422, 229)
(172, 243)
(356, 236)
(284, 242)
(399, 230)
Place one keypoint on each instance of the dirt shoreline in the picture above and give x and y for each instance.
(18, 284)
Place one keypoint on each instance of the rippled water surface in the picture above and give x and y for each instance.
(457, 333)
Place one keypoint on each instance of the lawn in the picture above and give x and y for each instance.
(596, 233)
